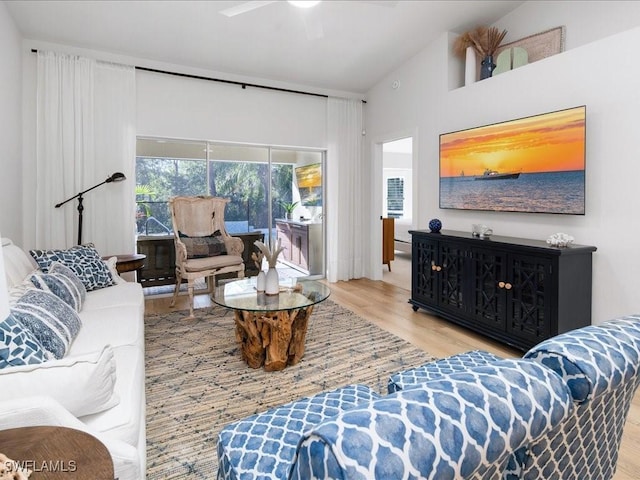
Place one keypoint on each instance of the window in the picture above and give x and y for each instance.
(395, 197)
(256, 179)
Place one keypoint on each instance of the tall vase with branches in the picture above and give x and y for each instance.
(484, 41)
(270, 253)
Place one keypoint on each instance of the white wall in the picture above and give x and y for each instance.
(586, 21)
(170, 106)
(10, 128)
(397, 160)
(602, 74)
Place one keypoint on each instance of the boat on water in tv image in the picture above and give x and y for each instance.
(495, 175)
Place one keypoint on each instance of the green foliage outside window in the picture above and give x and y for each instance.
(244, 183)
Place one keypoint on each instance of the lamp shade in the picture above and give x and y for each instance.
(4, 294)
(116, 177)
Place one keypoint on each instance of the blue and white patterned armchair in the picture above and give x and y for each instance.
(601, 366)
(462, 426)
(558, 413)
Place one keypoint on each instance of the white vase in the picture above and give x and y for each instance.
(470, 66)
(272, 286)
(261, 281)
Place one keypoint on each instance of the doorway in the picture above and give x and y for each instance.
(397, 203)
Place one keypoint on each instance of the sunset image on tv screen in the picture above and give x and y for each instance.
(532, 164)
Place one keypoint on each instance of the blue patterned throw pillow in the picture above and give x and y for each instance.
(62, 286)
(18, 346)
(51, 321)
(62, 269)
(83, 260)
(203, 247)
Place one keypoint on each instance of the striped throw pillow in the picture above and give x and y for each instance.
(62, 286)
(51, 321)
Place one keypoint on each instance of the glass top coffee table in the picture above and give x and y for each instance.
(271, 329)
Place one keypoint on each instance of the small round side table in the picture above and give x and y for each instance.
(131, 262)
(57, 453)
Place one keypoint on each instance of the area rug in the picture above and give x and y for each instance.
(197, 382)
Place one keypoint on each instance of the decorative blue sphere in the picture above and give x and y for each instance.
(435, 225)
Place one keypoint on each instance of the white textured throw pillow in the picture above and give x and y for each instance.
(82, 384)
(111, 265)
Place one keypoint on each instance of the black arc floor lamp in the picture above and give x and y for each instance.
(116, 177)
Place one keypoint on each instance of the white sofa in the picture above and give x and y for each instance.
(99, 385)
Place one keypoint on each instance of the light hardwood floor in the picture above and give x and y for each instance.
(387, 306)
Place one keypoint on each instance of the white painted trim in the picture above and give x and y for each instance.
(375, 260)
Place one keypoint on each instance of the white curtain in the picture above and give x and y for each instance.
(85, 133)
(4, 291)
(345, 194)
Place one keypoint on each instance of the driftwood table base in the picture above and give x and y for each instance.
(271, 329)
(273, 339)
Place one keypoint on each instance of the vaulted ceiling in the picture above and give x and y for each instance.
(343, 46)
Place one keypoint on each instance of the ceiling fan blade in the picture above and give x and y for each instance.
(245, 7)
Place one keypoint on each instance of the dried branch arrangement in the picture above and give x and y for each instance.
(270, 252)
(494, 39)
(485, 41)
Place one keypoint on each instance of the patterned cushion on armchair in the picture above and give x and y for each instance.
(264, 445)
(595, 359)
(438, 368)
(601, 365)
(461, 426)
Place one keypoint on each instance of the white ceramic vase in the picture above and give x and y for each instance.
(272, 286)
(272, 282)
(261, 281)
(470, 74)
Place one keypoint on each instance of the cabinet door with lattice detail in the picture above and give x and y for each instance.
(530, 300)
(424, 259)
(488, 285)
(451, 276)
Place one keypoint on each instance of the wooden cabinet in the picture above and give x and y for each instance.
(160, 265)
(283, 231)
(388, 241)
(302, 245)
(518, 291)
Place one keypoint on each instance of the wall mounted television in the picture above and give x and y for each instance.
(534, 164)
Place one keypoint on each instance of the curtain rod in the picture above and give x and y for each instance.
(230, 82)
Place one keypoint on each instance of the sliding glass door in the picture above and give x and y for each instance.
(268, 188)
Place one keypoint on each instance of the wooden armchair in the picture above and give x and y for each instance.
(204, 249)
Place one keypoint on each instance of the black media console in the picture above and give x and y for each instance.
(514, 290)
